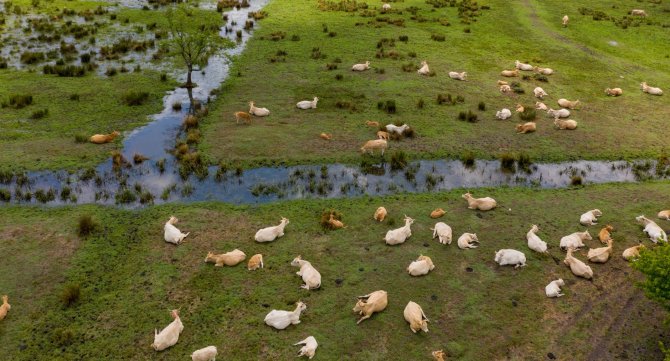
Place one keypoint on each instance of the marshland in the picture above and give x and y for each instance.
(111, 126)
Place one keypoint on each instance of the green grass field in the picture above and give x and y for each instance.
(609, 128)
(49, 142)
(130, 279)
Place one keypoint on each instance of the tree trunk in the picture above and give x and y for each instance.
(189, 83)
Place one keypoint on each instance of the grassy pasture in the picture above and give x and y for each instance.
(130, 279)
(49, 142)
(609, 128)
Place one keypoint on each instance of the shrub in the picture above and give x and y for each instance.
(398, 160)
(125, 196)
(70, 294)
(87, 225)
(65, 193)
(576, 180)
(507, 162)
(5, 196)
(462, 116)
(134, 98)
(403, 38)
(516, 87)
(190, 121)
(163, 77)
(528, 114)
(472, 117)
(540, 77)
(654, 263)
(29, 57)
(420, 103)
(45, 196)
(176, 106)
(468, 159)
(524, 162)
(481, 106)
(339, 77)
(39, 114)
(74, 97)
(295, 38)
(146, 198)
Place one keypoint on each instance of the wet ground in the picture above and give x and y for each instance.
(158, 180)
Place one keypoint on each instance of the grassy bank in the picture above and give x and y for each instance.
(130, 279)
(98, 107)
(295, 66)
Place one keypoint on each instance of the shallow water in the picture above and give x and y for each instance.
(268, 184)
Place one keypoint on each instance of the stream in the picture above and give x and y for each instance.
(148, 183)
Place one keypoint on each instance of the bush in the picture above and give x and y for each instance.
(134, 98)
(5, 196)
(528, 114)
(481, 106)
(523, 162)
(65, 193)
(398, 160)
(125, 196)
(70, 294)
(576, 181)
(39, 114)
(654, 263)
(390, 106)
(30, 57)
(472, 117)
(74, 97)
(507, 162)
(420, 103)
(176, 106)
(468, 159)
(64, 70)
(44, 197)
(339, 77)
(87, 225)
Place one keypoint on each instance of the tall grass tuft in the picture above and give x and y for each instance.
(87, 225)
